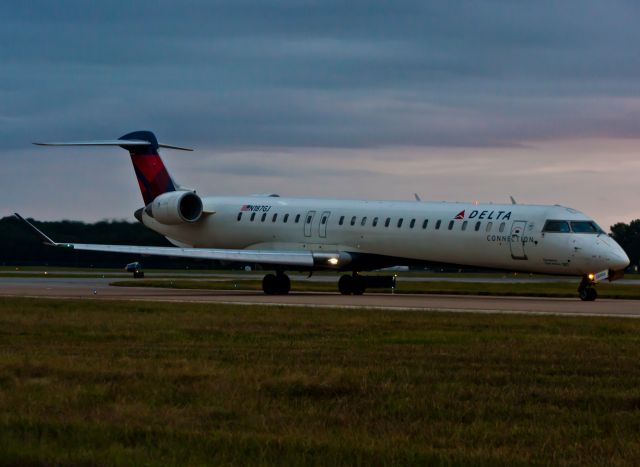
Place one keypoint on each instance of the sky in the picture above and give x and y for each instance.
(456, 100)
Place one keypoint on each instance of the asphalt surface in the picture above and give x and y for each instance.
(208, 276)
(99, 289)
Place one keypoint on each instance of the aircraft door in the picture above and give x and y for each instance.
(518, 240)
(308, 222)
(324, 220)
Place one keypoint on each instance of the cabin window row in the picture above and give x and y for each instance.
(274, 217)
(412, 223)
(374, 222)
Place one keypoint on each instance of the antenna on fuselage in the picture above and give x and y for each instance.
(415, 195)
(513, 201)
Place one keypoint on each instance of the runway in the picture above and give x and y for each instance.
(99, 289)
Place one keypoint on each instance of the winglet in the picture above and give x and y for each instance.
(46, 240)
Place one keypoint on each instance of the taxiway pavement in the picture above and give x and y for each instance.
(99, 289)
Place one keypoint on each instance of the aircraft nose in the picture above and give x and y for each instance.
(619, 259)
(603, 252)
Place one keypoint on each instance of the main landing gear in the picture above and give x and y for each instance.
(276, 284)
(349, 284)
(587, 290)
(356, 284)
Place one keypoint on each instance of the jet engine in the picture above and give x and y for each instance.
(175, 207)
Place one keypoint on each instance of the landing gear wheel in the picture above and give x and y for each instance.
(273, 284)
(283, 284)
(359, 285)
(270, 284)
(345, 285)
(588, 294)
(587, 291)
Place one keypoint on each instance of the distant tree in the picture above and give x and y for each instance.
(628, 236)
(19, 246)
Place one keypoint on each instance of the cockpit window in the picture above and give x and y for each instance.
(589, 227)
(557, 226)
(581, 227)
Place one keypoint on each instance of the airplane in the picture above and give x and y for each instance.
(351, 236)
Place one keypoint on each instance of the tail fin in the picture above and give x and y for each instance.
(152, 175)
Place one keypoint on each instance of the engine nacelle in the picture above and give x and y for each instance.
(176, 207)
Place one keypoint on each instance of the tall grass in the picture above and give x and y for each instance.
(98, 382)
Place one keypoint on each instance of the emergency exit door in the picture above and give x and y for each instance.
(308, 222)
(324, 220)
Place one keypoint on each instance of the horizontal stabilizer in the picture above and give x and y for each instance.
(114, 142)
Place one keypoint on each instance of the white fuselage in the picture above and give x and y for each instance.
(508, 237)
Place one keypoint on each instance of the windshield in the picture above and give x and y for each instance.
(585, 227)
(557, 226)
(582, 227)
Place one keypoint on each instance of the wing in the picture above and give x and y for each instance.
(302, 259)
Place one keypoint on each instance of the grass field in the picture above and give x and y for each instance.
(98, 382)
(548, 289)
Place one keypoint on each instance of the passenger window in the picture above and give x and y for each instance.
(489, 226)
(438, 222)
(353, 220)
(285, 218)
(309, 219)
(375, 221)
(464, 225)
(400, 222)
(412, 223)
(424, 223)
(556, 226)
(341, 221)
(451, 224)
(297, 218)
(478, 225)
(264, 216)
(253, 216)
(364, 221)
(324, 220)
(501, 228)
(239, 215)
(275, 217)
(387, 222)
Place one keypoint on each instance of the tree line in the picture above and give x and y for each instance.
(19, 246)
(628, 237)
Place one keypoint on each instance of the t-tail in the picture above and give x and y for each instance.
(153, 177)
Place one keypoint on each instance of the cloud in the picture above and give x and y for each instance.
(318, 78)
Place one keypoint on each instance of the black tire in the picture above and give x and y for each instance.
(359, 285)
(284, 284)
(270, 284)
(138, 275)
(588, 294)
(345, 285)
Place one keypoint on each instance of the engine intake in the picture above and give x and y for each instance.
(176, 207)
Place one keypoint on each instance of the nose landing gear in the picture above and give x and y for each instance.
(587, 290)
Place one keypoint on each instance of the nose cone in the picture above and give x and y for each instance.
(601, 252)
(619, 259)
